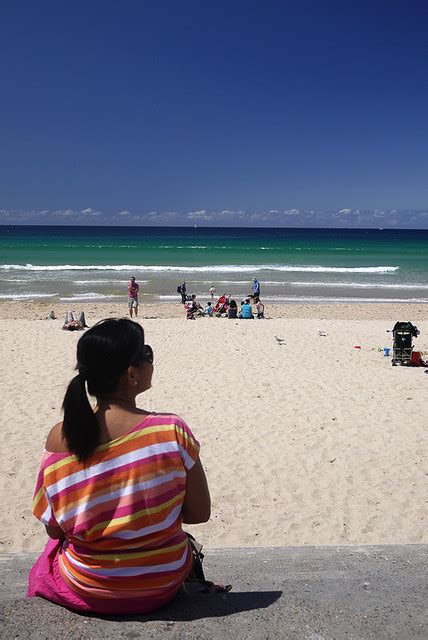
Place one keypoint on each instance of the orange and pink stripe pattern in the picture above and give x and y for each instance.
(121, 513)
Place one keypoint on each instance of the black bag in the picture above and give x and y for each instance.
(197, 557)
(179, 288)
(197, 575)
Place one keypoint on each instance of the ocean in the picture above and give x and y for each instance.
(82, 264)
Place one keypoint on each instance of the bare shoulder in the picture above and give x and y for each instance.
(55, 442)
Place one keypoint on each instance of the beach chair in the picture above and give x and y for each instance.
(402, 347)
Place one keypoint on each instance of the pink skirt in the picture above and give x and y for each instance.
(46, 582)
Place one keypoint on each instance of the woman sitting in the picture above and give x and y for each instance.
(260, 308)
(232, 312)
(115, 485)
(246, 310)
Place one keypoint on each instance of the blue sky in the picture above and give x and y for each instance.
(214, 112)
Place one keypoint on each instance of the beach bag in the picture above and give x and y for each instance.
(197, 575)
(197, 571)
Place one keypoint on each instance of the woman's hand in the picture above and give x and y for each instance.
(55, 532)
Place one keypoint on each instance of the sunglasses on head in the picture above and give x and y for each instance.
(146, 355)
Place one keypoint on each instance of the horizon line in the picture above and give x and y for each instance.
(192, 226)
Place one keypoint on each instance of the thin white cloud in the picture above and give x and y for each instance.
(91, 212)
(198, 215)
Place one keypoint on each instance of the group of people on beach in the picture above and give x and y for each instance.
(225, 305)
(71, 323)
(250, 307)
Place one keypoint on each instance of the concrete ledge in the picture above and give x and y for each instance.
(313, 593)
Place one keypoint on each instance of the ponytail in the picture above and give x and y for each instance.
(80, 427)
(103, 354)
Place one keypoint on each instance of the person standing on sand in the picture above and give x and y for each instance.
(255, 288)
(212, 292)
(183, 292)
(133, 289)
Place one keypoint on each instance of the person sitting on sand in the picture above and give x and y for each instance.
(246, 310)
(260, 308)
(208, 311)
(193, 307)
(115, 485)
(232, 312)
(51, 316)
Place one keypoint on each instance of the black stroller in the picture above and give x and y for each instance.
(402, 348)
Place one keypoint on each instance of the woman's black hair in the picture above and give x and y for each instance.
(104, 353)
(233, 304)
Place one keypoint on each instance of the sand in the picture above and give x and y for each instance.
(305, 439)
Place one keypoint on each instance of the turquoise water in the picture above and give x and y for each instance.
(92, 263)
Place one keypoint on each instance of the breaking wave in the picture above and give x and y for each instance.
(227, 268)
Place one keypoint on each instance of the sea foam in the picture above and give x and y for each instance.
(327, 299)
(352, 285)
(24, 296)
(89, 297)
(227, 268)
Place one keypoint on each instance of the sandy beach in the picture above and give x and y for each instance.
(305, 439)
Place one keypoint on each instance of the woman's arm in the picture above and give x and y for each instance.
(197, 501)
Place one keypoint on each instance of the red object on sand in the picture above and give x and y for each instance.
(415, 359)
(222, 305)
(357, 346)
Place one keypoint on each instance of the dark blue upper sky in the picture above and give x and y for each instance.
(219, 106)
